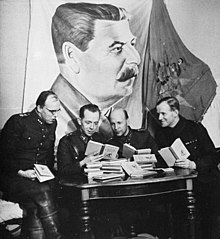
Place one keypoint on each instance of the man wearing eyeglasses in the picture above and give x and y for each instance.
(28, 139)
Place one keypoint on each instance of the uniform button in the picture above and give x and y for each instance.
(38, 155)
(44, 136)
(38, 149)
(41, 144)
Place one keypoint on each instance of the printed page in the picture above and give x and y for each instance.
(180, 149)
(93, 147)
(110, 151)
(168, 156)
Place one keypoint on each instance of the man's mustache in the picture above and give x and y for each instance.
(127, 72)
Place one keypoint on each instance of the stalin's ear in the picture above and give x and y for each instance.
(71, 54)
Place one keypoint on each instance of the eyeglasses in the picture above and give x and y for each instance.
(53, 111)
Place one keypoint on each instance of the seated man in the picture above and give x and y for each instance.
(203, 157)
(28, 139)
(71, 149)
(71, 160)
(123, 133)
(140, 139)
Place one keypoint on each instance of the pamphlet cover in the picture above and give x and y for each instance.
(43, 172)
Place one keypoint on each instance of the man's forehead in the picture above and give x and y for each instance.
(90, 115)
(113, 29)
(163, 106)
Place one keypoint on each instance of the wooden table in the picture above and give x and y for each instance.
(180, 180)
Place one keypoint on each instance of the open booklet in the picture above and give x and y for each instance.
(175, 151)
(43, 172)
(109, 151)
(129, 150)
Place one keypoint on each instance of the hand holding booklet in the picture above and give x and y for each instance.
(43, 172)
(129, 151)
(175, 151)
(109, 151)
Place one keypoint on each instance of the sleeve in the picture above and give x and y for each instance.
(10, 136)
(67, 160)
(206, 156)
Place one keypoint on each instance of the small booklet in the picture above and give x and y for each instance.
(43, 172)
(129, 150)
(135, 171)
(109, 151)
(175, 151)
(107, 177)
(145, 158)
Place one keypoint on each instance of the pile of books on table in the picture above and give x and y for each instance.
(113, 166)
(145, 161)
(93, 169)
(105, 170)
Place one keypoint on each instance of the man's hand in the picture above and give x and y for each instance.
(91, 158)
(185, 163)
(27, 174)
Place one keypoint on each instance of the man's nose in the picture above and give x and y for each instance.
(132, 55)
(160, 117)
(92, 125)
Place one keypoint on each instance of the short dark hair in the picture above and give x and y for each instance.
(89, 107)
(43, 97)
(74, 22)
(171, 101)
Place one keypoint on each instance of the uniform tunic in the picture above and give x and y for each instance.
(25, 140)
(71, 150)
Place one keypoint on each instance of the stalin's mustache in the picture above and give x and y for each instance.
(127, 72)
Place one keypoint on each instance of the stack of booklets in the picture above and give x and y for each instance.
(113, 166)
(93, 169)
(145, 161)
(107, 178)
(129, 150)
(135, 171)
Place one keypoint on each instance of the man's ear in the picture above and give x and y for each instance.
(39, 109)
(79, 121)
(71, 55)
(176, 112)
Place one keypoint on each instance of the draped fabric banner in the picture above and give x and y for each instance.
(129, 63)
(170, 69)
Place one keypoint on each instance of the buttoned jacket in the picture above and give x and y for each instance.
(26, 140)
(71, 150)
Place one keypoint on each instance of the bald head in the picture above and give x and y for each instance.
(118, 120)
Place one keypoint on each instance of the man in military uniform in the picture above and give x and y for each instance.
(71, 149)
(28, 139)
(123, 133)
(140, 139)
(203, 157)
(72, 160)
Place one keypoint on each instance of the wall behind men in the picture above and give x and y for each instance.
(197, 23)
